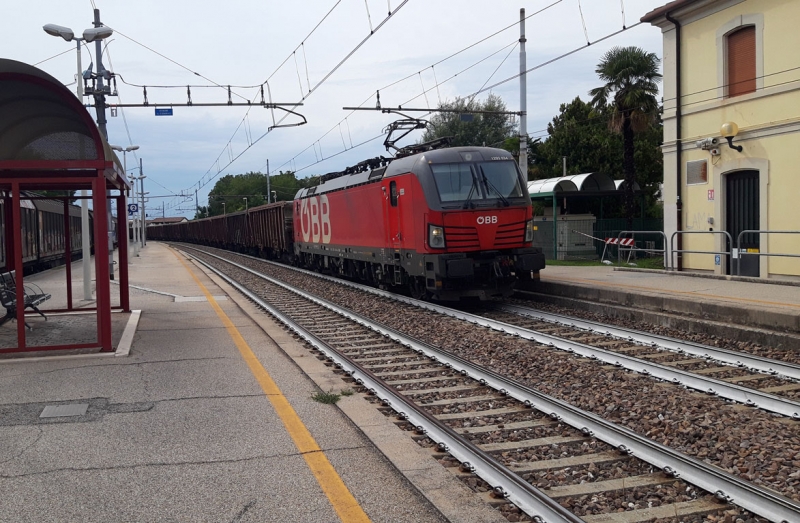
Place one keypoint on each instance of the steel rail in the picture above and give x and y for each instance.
(766, 365)
(506, 483)
(726, 486)
(708, 385)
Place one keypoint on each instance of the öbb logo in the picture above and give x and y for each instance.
(315, 219)
(486, 220)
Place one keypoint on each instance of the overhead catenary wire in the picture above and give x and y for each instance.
(601, 118)
(216, 84)
(483, 89)
(117, 31)
(305, 61)
(437, 84)
(560, 57)
(369, 18)
(318, 141)
(200, 184)
(583, 22)
(622, 5)
(497, 68)
(54, 56)
(418, 73)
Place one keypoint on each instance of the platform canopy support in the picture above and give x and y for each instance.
(49, 142)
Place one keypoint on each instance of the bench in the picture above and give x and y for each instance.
(8, 297)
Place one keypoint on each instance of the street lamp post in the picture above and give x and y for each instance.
(125, 152)
(224, 212)
(143, 236)
(90, 35)
(93, 34)
(245, 204)
(136, 231)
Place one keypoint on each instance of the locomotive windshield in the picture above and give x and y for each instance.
(475, 181)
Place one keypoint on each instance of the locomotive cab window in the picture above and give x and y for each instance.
(455, 181)
(500, 179)
(393, 193)
(477, 181)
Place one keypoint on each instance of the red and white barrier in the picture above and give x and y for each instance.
(625, 242)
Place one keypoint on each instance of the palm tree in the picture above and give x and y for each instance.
(631, 85)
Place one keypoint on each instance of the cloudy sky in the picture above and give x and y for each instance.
(294, 47)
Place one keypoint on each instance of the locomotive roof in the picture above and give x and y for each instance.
(408, 164)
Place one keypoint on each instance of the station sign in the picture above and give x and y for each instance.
(164, 111)
(133, 208)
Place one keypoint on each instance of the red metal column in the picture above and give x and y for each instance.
(122, 242)
(101, 239)
(8, 212)
(68, 252)
(16, 264)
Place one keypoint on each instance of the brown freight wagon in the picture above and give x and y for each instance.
(264, 231)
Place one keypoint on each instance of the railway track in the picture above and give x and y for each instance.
(509, 434)
(766, 375)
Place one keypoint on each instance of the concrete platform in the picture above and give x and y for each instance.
(181, 430)
(759, 311)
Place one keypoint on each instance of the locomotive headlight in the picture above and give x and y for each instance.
(436, 237)
(529, 231)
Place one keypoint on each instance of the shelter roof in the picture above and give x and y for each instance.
(587, 182)
(45, 128)
(618, 184)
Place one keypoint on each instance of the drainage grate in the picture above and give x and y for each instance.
(55, 411)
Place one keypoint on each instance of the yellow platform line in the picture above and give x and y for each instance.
(340, 497)
(554, 279)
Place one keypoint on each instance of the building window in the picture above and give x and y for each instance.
(741, 61)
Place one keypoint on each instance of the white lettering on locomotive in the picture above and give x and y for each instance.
(486, 220)
(325, 218)
(315, 219)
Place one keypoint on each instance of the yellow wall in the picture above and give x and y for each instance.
(769, 122)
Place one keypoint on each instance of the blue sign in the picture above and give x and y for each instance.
(716, 259)
(133, 207)
(167, 111)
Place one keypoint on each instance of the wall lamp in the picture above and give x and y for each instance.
(729, 130)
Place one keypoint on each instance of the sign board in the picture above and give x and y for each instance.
(716, 259)
(166, 111)
(133, 207)
(711, 195)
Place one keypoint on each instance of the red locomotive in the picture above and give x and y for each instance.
(447, 224)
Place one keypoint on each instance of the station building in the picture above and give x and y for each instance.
(732, 64)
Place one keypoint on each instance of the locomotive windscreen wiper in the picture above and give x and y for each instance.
(489, 184)
(468, 204)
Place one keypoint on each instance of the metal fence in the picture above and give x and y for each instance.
(649, 246)
(673, 251)
(737, 255)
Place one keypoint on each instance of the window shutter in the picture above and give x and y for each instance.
(742, 61)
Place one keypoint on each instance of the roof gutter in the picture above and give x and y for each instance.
(679, 151)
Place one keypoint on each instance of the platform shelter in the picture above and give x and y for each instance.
(49, 142)
(557, 195)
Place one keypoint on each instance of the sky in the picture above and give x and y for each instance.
(326, 54)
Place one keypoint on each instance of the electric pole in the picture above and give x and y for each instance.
(523, 98)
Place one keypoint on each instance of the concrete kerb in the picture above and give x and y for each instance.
(749, 279)
(123, 349)
(442, 489)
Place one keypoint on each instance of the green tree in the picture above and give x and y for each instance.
(481, 129)
(231, 190)
(581, 133)
(631, 85)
